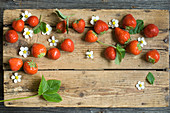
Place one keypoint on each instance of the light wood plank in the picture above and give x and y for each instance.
(91, 89)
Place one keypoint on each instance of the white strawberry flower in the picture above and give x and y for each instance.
(16, 78)
(48, 30)
(142, 41)
(26, 15)
(53, 41)
(27, 33)
(89, 54)
(94, 19)
(24, 52)
(140, 85)
(114, 23)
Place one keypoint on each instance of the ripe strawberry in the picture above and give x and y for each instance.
(151, 30)
(38, 50)
(129, 21)
(67, 45)
(134, 47)
(79, 25)
(100, 27)
(11, 36)
(122, 36)
(152, 56)
(91, 36)
(53, 53)
(18, 25)
(33, 21)
(30, 67)
(15, 64)
(110, 53)
(61, 27)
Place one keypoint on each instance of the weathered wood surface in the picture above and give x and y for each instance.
(91, 89)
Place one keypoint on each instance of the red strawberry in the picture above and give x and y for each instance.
(18, 25)
(53, 53)
(151, 30)
(122, 36)
(15, 64)
(30, 67)
(33, 21)
(100, 27)
(91, 36)
(152, 56)
(67, 45)
(110, 53)
(11, 36)
(79, 25)
(38, 50)
(61, 27)
(129, 21)
(134, 47)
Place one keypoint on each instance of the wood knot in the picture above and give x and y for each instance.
(93, 10)
(81, 94)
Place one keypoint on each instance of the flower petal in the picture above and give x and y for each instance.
(110, 23)
(49, 40)
(31, 31)
(26, 36)
(15, 81)
(12, 77)
(53, 38)
(24, 33)
(116, 21)
(26, 29)
(141, 44)
(30, 35)
(19, 76)
(19, 80)
(116, 25)
(23, 18)
(43, 33)
(51, 44)
(56, 40)
(92, 56)
(139, 82)
(29, 14)
(21, 53)
(23, 14)
(139, 39)
(97, 17)
(26, 48)
(26, 12)
(25, 55)
(92, 22)
(55, 44)
(93, 17)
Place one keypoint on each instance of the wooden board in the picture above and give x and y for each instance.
(89, 84)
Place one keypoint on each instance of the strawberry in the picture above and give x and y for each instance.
(15, 64)
(122, 36)
(30, 67)
(67, 45)
(61, 27)
(38, 50)
(91, 36)
(151, 30)
(33, 21)
(134, 47)
(11, 36)
(18, 25)
(100, 27)
(129, 21)
(110, 53)
(53, 53)
(79, 25)
(152, 56)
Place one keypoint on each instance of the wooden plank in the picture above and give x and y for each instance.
(91, 89)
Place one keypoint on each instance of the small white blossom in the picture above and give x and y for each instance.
(114, 23)
(24, 52)
(16, 78)
(94, 19)
(140, 85)
(142, 41)
(53, 41)
(48, 30)
(89, 54)
(27, 33)
(26, 15)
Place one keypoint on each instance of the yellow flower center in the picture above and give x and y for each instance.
(16, 77)
(140, 85)
(24, 51)
(26, 16)
(113, 22)
(53, 41)
(46, 29)
(27, 33)
(95, 20)
(141, 41)
(89, 55)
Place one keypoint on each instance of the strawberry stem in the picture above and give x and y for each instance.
(105, 44)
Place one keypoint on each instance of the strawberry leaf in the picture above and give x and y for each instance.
(55, 97)
(43, 87)
(60, 14)
(139, 27)
(150, 78)
(43, 27)
(37, 30)
(54, 86)
(120, 54)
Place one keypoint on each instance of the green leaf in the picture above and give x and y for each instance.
(43, 87)
(60, 14)
(55, 97)
(150, 78)
(139, 27)
(54, 86)
(67, 26)
(37, 30)
(43, 27)
(120, 54)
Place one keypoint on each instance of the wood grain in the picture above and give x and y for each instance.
(91, 89)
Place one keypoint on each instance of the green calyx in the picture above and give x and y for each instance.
(151, 60)
(128, 28)
(139, 46)
(41, 55)
(77, 21)
(102, 33)
(32, 64)
(59, 31)
(127, 41)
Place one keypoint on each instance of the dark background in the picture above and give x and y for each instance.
(76, 4)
